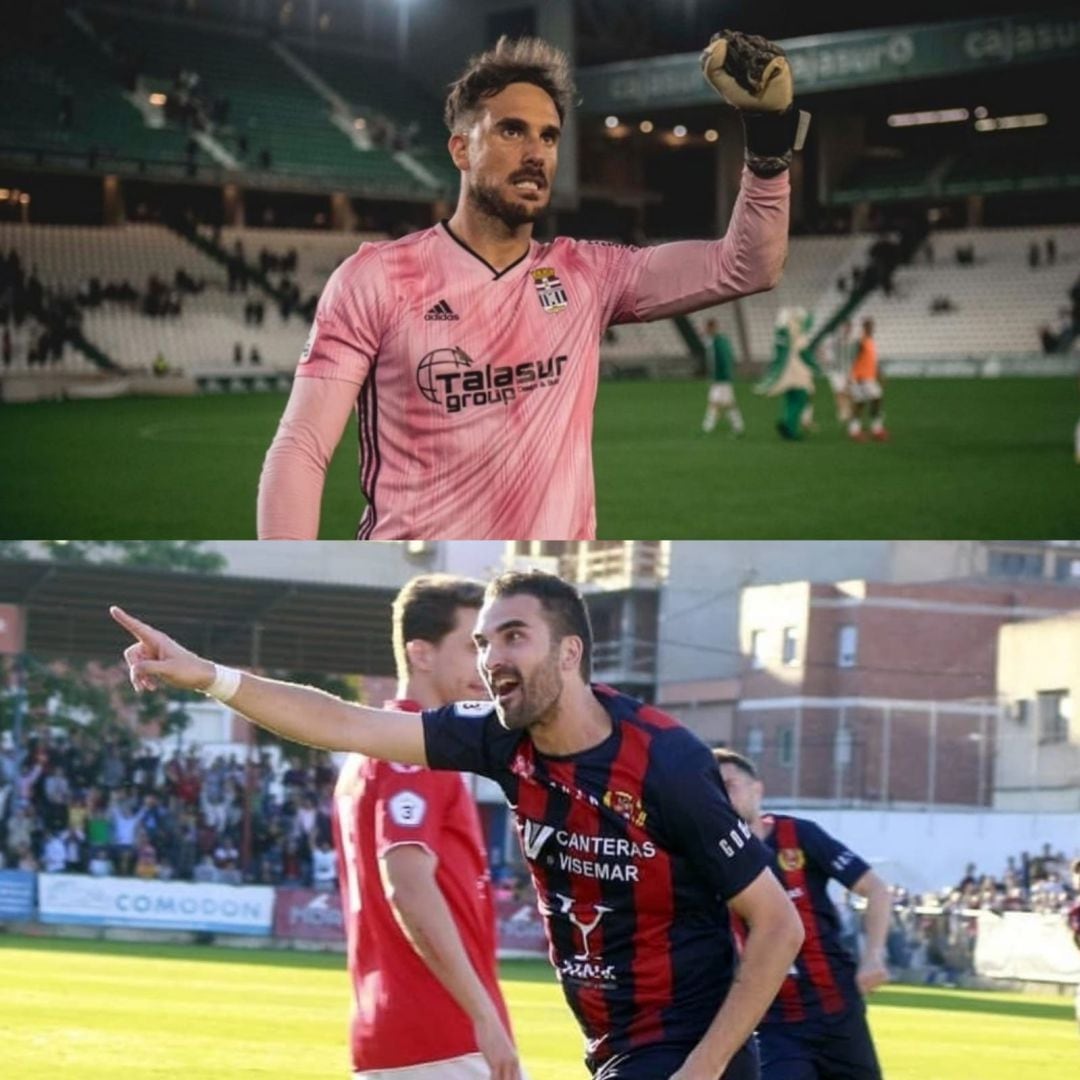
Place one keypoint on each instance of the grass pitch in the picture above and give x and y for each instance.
(975, 459)
(106, 1011)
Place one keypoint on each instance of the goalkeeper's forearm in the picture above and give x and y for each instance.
(307, 715)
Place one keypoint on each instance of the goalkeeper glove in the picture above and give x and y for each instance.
(752, 74)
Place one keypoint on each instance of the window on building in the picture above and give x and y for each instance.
(790, 652)
(847, 646)
(1054, 710)
(1016, 564)
(1067, 568)
(757, 649)
(786, 747)
(755, 742)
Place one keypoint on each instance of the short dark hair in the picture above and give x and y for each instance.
(725, 756)
(563, 606)
(426, 609)
(526, 60)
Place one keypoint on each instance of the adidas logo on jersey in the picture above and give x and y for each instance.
(441, 312)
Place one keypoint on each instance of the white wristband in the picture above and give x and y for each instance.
(226, 683)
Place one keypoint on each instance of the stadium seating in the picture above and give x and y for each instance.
(1000, 302)
(34, 82)
(200, 341)
(372, 85)
(270, 107)
(318, 253)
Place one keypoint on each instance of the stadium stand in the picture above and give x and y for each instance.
(201, 339)
(64, 103)
(268, 118)
(376, 88)
(999, 301)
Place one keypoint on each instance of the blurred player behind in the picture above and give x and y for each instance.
(721, 362)
(866, 388)
(839, 355)
(415, 887)
(816, 1029)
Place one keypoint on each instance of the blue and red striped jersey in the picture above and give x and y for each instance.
(634, 850)
(822, 979)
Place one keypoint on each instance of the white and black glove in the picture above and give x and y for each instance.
(752, 74)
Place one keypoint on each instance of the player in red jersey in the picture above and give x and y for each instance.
(414, 880)
(635, 850)
(469, 352)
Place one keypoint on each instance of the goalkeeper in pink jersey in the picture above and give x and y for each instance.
(469, 352)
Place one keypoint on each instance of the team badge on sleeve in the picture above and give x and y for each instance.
(550, 290)
(791, 858)
(407, 809)
(305, 352)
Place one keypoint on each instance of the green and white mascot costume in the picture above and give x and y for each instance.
(790, 375)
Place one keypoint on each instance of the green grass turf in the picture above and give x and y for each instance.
(107, 1011)
(969, 459)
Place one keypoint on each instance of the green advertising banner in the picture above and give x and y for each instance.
(847, 61)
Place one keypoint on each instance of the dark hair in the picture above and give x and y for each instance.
(526, 60)
(724, 756)
(565, 610)
(426, 609)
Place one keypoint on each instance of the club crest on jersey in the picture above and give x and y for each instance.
(625, 805)
(522, 767)
(791, 858)
(550, 290)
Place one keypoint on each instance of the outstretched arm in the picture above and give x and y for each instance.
(301, 713)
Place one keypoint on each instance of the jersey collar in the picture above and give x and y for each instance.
(496, 274)
(403, 705)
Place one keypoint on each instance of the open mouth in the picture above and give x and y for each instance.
(504, 687)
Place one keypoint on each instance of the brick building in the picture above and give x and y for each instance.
(862, 692)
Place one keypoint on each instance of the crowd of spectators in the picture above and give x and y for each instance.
(35, 322)
(934, 933)
(72, 803)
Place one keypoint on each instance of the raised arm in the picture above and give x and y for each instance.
(752, 75)
(294, 471)
(300, 713)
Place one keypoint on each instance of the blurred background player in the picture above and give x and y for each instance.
(839, 356)
(721, 361)
(866, 391)
(415, 886)
(816, 1029)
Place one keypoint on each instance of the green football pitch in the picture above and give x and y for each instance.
(106, 1011)
(968, 459)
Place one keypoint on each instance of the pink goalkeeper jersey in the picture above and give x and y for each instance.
(475, 389)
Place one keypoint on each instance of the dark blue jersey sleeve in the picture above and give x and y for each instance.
(830, 856)
(468, 737)
(698, 819)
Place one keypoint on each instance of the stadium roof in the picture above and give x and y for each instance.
(273, 624)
